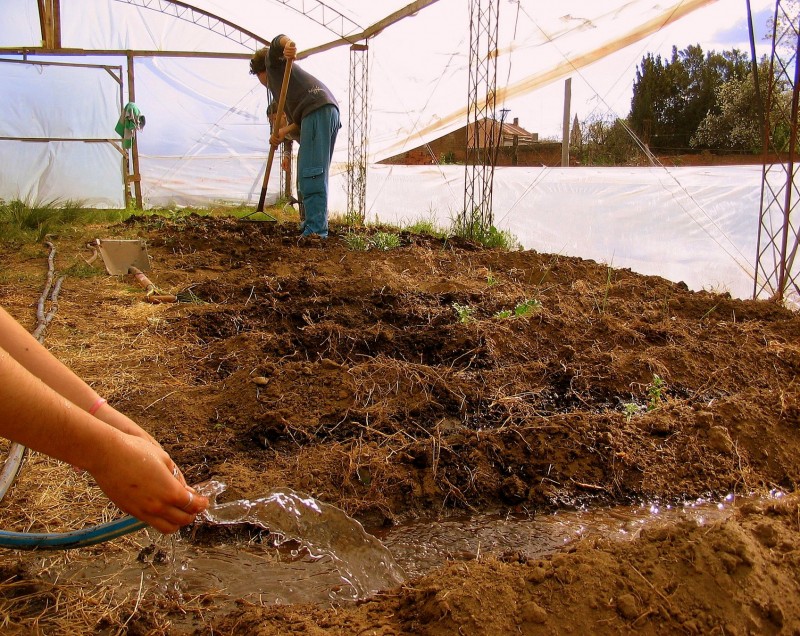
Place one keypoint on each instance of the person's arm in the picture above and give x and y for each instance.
(281, 48)
(136, 475)
(28, 352)
(45, 406)
(279, 135)
(292, 130)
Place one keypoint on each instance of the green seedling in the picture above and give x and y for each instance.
(529, 306)
(630, 409)
(356, 242)
(464, 312)
(521, 310)
(655, 392)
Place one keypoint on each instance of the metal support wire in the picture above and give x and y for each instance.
(777, 274)
(358, 134)
(477, 216)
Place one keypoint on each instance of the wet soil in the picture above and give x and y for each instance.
(440, 378)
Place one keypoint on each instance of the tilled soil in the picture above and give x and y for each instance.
(440, 377)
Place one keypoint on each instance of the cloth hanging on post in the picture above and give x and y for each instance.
(129, 122)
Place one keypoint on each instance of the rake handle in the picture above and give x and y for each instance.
(278, 116)
(143, 281)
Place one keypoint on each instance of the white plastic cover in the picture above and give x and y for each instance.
(418, 66)
(205, 139)
(696, 225)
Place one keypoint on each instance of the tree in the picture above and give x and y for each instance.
(575, 135)
(736, 124)
(671, 99)
(606, 141)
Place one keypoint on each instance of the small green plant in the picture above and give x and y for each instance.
(464, 312)
(385, 240)
(630, 409)
(529, 306)
(521, 310)
(421, 227)
(490, 279)
(356, 242)
(602, 307)
(427, 226)
(354, 218)
(655, 392)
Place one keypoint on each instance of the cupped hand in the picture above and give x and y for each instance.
(139, 478)
(290, 50)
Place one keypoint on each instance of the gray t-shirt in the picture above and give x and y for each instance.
(305, 93)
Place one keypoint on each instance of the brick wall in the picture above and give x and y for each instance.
(450, 149)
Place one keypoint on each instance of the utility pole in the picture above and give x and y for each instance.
(503, 114)
(565, 124)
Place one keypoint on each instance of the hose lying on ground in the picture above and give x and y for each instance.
(74, 539)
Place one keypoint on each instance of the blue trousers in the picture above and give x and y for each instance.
(318, 132)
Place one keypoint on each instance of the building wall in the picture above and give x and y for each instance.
(451, 149)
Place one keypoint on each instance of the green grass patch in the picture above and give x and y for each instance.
(491, 237)
(385, 240)
(355, 242)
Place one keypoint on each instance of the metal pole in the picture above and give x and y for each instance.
(135, 177)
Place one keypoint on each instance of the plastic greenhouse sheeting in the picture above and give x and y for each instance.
(205, 140)
(418, 66)
(696, 225)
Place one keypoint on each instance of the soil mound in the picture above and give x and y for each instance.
(442, 377)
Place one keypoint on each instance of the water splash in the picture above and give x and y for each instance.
(363, 562)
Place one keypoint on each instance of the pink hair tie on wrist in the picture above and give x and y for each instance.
(96, 406)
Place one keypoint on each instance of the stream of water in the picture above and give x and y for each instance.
(317, 553)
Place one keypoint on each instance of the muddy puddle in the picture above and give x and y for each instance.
(336, 560)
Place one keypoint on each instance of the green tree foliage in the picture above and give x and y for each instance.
(671, 98)
(605, 141)
(736, 123)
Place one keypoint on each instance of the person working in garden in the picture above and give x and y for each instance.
(312, 109)
(46, 407)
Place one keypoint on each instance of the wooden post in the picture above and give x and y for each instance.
(136, 178)
(56, 24)
(50, 23)
(565, 124)
(287, 175)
